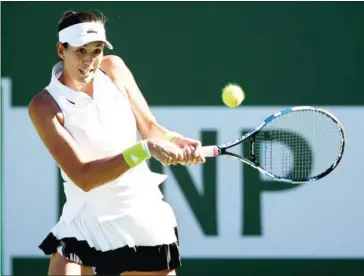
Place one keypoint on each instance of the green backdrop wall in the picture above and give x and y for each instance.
(182, 52)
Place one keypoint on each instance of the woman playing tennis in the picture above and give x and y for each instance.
(114, 220)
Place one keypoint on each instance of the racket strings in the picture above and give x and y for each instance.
(298, 145)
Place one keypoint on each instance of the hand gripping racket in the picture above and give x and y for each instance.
(296, 145)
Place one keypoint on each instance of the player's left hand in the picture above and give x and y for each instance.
(191, 149)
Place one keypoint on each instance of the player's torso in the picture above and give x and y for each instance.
(102, 125)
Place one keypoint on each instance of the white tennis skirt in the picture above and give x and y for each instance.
(143, 239)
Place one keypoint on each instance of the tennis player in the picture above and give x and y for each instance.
(115, 220)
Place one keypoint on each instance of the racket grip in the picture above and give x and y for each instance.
(209, 151)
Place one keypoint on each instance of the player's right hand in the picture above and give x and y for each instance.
(165, 152)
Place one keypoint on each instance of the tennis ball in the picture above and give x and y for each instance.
(232, 95)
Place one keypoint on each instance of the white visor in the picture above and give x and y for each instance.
(80, 34)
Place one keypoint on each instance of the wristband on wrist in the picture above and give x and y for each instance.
(136, 154)
(171, 136)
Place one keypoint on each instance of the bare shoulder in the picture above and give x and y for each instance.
(114, 66)
(43, 107)
(112, 61)
(41, 103)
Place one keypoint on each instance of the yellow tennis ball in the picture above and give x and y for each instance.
(232, 95)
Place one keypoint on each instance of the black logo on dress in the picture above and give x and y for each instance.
(70, 101)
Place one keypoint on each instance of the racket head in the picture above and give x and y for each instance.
(305, 154)
(315, 143)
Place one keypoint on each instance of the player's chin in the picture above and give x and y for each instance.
(85, 79)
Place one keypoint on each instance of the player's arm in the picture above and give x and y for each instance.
(46, 117)
(148, 126)
(120, 74)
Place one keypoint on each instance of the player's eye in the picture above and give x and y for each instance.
(81, 51)
(98, 51)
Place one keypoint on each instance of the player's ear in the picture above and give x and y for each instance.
(60, 50)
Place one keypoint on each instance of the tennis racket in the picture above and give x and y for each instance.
(296, 145)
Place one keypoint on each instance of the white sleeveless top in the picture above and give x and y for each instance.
(102, 127)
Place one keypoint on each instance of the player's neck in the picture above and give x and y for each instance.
(75, 85)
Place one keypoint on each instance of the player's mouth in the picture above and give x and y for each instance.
(86, 72)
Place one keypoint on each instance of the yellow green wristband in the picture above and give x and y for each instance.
(136, 154)
(170, 136)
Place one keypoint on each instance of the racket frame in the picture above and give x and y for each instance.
(222, 149)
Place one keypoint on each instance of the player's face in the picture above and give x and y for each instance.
(82, 62)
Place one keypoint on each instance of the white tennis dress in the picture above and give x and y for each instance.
(128, 211)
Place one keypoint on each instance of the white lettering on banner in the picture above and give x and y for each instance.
(322, 219)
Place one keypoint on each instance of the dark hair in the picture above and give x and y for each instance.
(70, 18)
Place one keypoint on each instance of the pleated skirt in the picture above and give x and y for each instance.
(143, 239)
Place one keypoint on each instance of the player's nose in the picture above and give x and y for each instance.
(87, 60)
